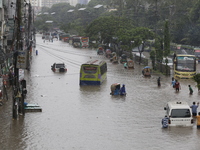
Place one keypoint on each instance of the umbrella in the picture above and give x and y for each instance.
(146, 67)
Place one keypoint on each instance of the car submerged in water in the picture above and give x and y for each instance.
(59, 67)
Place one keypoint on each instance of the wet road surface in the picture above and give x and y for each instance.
(88, 117)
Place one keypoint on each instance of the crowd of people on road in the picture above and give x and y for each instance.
(176, 85)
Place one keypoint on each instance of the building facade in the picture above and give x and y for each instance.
(83, 2)
(49, 3)
(73, 2)
(36, 3)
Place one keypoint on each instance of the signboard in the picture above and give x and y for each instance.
(1, 82)
(21, 60)
(1, 3)
(21, 74)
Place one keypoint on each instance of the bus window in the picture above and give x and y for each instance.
(88, 69)
(103, 69)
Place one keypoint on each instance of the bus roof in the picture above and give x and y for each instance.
(188, 55)
(94, 62)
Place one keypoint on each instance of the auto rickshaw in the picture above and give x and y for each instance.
(115, 89)
(108, 53)
(100, 51)
(130, 64)
(146, 71)
(113, 59)
(123, 59)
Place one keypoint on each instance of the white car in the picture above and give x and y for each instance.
(58, 67)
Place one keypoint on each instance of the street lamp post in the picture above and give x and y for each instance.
(131, 54)
(141, 49)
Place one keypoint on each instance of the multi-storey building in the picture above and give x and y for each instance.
(49, 3)
(83, 2)
(36, 3)
(73, 2)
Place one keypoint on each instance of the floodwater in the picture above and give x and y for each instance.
(88, 117)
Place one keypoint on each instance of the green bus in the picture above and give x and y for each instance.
(93, 72)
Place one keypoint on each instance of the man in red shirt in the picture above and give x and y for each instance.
(177, 86)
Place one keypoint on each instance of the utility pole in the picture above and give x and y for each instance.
(156, 14)
(18, 46)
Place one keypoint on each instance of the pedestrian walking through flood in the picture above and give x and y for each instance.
(190, 89)
(158, 82)
(173, 82)
(177, 86)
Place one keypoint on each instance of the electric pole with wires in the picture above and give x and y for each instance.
(18, 46)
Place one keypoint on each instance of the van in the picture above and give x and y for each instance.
(179, 114)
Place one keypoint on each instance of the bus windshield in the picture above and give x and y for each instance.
(197, 53)
(185, 63)
(180, 113)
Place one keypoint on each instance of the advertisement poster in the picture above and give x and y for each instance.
(21, 74)
(21, 60)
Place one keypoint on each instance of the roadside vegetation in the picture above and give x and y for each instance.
(129, 23)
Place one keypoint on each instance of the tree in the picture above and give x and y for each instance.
(60, 10)
(159, 49)
(196, 78)
(153, 58)
(166, 40)
(183, 24)
(103, 29)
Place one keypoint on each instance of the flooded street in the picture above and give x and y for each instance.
(88, 117)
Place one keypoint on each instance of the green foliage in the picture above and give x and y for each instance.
(159, 49)
(153, 58)
(166, 40)
(103, 28)
(153, 55)
(196, 78)
(194, 12)
(183, 19)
